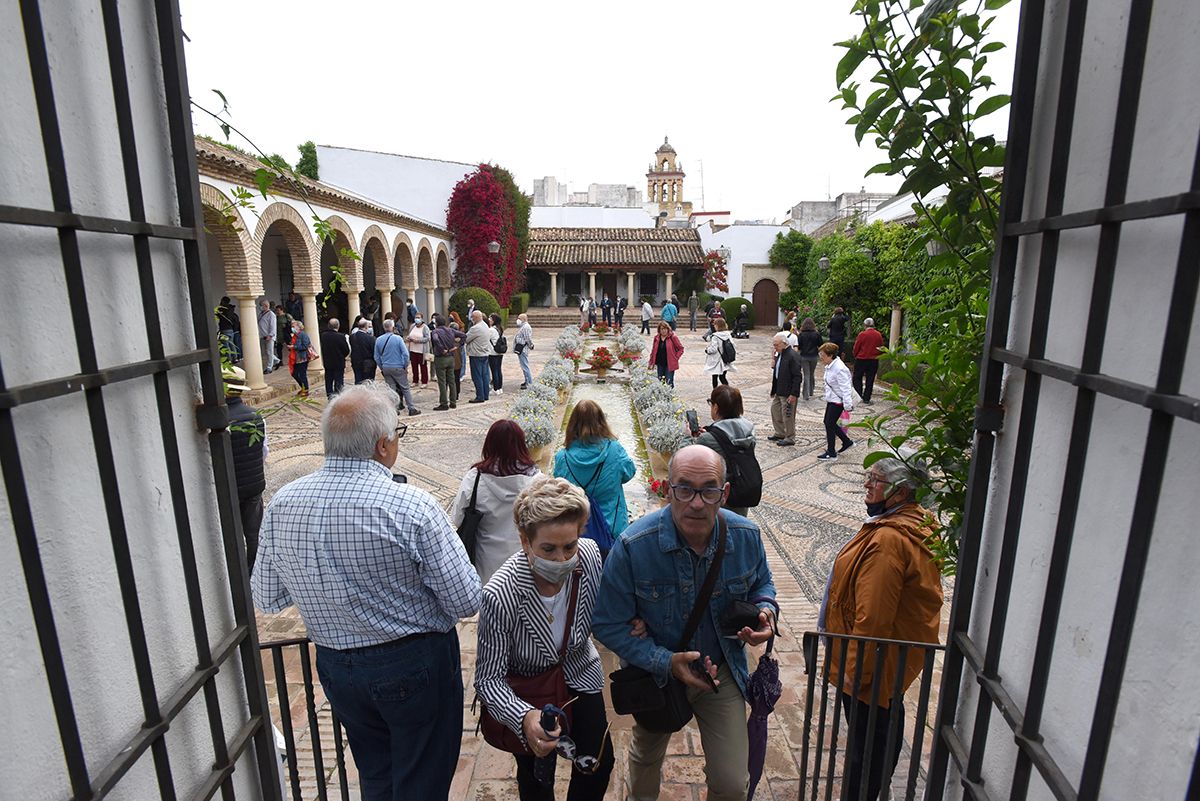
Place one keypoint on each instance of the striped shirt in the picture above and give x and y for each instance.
(366, 560)
(515, 636)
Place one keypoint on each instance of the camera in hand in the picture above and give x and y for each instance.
(693, 422)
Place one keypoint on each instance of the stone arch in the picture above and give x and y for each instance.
(237, 249)
(405, 263)
(425, 276)
(306, 268)
(443, 265)
(343, 237)
(374, 242)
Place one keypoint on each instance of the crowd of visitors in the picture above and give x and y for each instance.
(554, 565)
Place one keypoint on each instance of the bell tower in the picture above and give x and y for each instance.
(664, 183)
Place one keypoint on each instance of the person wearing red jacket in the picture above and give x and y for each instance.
(665, 352)
(867, 346)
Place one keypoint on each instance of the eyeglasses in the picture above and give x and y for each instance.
(871, 478)
(710, 495)
(401, 430)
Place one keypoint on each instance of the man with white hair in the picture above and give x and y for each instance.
(381, 579)
(786, 374)
(867, 348)
(522, 344)
(479, 347)
(266, 335)
(885, 583)
(391, 356)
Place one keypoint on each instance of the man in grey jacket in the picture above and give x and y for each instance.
(479, 347)
(266, 335)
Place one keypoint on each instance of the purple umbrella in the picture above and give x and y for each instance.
(763, 690)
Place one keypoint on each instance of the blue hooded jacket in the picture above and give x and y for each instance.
(611, 465)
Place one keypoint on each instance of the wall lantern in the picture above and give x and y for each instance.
(493, 247)
(823, 263)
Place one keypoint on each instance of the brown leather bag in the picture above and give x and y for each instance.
(547, 687)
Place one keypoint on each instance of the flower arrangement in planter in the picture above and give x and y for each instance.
(569, 342)
(556, 374)
(583, 329)
(600, 329)
(601, 358)
(667, 435)
(672, 409)
(652, 394)
(528, 403)
(539, 428)
(539, 391)
(660, 487)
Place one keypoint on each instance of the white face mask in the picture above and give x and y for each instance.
(551, 571)
(419, 321)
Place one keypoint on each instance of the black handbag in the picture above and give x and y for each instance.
(468, 529)
(634, 690)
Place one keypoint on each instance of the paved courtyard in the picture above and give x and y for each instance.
(809, 510)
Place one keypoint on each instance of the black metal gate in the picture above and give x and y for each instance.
(90, 777)
(965, 654)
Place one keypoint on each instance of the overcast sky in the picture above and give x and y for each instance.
(584, 92)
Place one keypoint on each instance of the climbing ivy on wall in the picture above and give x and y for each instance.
(487, 207)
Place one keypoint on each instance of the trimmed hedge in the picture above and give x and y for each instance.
(519, 303)
(732, 307)
(484, 301)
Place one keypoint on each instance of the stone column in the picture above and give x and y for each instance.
(629, 289)
(353, 308)
(670, 280)
(251, 344)
(446, 293)
(311, 321)
(554, 290)
(591, 284)
(430, 302)
(894, 333)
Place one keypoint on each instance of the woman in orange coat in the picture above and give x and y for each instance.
(886, 584)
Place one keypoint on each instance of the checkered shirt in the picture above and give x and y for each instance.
(365, 559)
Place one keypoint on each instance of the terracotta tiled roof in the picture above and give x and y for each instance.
(615, 246)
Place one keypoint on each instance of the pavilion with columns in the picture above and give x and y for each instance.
(629, 262)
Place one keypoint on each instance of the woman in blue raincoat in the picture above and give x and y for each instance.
(593, 459)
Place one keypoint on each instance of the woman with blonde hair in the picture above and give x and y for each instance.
(536, 619)
(593, 459)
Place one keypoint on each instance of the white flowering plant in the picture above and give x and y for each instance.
(541, 392)
(653, 393)
(538, 428)
(666, 435)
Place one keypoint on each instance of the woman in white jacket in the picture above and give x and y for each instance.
(839, 397)
(503, 471)
(714, 353)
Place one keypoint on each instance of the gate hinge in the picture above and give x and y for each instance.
(989, 418)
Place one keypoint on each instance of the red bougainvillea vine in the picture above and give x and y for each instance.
(716, 273)
(482, 212)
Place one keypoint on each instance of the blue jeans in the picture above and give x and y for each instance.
(666, 375)
(402, 706)
(480, 376)
(523, 358)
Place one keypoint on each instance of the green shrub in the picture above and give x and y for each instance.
(572, 300)
(519, 303)
(653, 301)
(732, 307)
(484, 301)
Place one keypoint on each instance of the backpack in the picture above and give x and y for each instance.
(597, 528)
(728, 352)
(743, 473)
(501, 345)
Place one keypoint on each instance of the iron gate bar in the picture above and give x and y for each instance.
(1182, 406)
(67, 385)
(918, 745)
(285, 715)
(102, 444)
(64, 220)
(1154, 462)
(1120, 212)
(174, 71)
(314, 728)
(145, 269)
(946, 743)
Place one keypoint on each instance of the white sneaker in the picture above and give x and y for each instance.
(498, 391)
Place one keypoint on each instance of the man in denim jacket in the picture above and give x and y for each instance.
(651, 579)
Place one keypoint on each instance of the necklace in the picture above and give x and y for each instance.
(553, 605)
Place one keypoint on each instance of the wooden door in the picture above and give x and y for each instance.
(766, 303)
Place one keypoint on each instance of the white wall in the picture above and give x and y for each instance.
(588, 217)
(748, 244)
(1158, 715)
(56, 446)
(419, 187)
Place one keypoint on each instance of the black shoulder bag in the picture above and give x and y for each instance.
(468, 529)
(634, 690)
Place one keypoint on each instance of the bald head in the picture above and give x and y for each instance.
(697, 460)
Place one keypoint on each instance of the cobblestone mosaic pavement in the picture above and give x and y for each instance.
(809, 510)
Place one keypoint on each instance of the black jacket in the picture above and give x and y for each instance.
(810, 342)
(790, 374)
(837, 327)
(362, 347)
(334, 348)
(247, 455)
